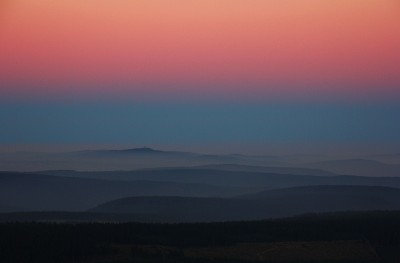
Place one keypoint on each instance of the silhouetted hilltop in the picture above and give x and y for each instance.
(327, 190)
(236, 178)
(121, 159)
(327, 198)
(267, 204)
(266, 169)
(360, 167)
(142, 150)
(133, 151)
(46, 192)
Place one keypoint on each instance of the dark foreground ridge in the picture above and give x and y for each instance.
(326, 238)
(263, 205)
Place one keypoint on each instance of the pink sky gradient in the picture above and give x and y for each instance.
(294, 48)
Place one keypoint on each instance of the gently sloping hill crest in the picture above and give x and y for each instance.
(360, 167)
(264, 205)
(45, 192)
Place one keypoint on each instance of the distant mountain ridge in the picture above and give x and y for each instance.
(142, 150)
(234, 177)
(46, 192)
(121, 159)
(264, 205)
(130, 159)
(360, 167)
(266, 169)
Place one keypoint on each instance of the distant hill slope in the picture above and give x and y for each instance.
(393, 158)
(46, 192)
(198, 175)
(124, 159)
(327, 198)
(231, 178)
(268, 204)
(133, 151)
(266, 169)
(361, 167)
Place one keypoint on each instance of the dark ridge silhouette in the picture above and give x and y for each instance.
(216, 167)
(124, 159)
(264, 205)
(235, 178)
(142, 150)
(360, 167)
(327, 191)
(46, 192)
(393, 158)
(133, 151)
(266, 169)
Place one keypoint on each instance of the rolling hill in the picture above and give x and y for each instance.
(46, 192)
(123, 159)
(263, 205)
(232, 178)
(360, 167)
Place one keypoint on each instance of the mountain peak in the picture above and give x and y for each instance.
(142, 150)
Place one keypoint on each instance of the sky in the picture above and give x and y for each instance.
(199, 72)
